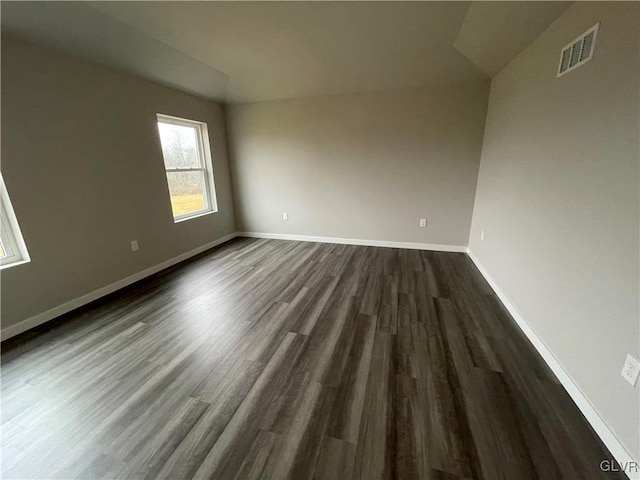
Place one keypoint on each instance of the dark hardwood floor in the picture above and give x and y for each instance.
(275, 359)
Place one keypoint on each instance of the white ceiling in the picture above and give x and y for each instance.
(493, 33)
(257, 51)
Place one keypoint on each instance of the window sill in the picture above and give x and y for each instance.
(191, 217)
(14, 264)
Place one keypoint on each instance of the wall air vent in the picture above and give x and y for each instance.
(578, 51)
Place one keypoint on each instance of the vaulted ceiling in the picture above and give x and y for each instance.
(259, 51)
(493, 33)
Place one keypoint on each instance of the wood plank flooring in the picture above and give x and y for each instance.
(275, 359)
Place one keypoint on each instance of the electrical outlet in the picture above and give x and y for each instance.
(482, 235)
(631, 370)
(285, 216)
(134, 246)
(423, 222)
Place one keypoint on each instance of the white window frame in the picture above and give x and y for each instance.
(206, 165)
(10, 235)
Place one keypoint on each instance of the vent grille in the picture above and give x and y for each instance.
(578, 51)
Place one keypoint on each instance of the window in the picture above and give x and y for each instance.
(187, 161)
(13, 251)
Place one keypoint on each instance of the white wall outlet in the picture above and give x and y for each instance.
(134, 246)
(482, 235)
(423, 222)
(285, 216)
(631, 370)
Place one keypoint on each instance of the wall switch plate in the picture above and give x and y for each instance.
(482, 235)
(285, 216)
(134, 246)
(631, 370)
(423, 222)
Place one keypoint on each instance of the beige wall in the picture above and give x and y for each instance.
(84, 170)
(361, 166)
(558, 200)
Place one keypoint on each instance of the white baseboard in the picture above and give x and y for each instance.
(617, 449)
(357, 241)
(54, 312)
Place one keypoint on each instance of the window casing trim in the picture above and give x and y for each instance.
(206, 162)
(11, 237)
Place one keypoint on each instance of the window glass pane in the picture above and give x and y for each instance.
(187, 192)
(3, 253)
(179, 146)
